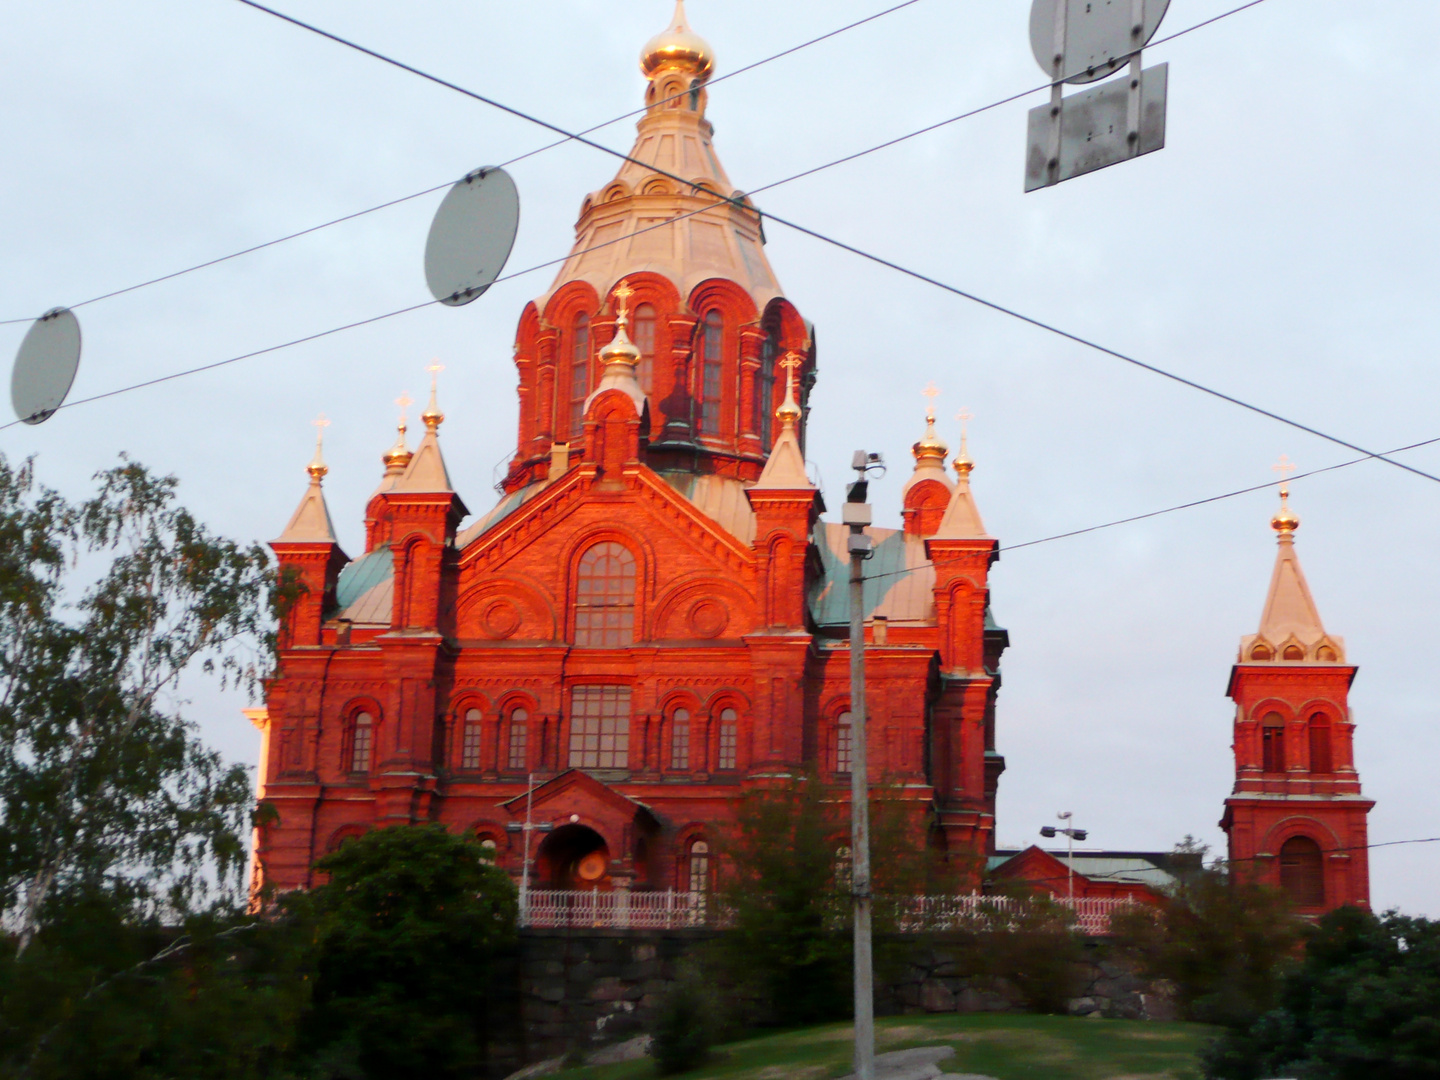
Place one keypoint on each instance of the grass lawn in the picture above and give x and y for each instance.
(1006, 1047)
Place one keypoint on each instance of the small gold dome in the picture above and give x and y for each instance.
(963, 465)
(678, 48)
(621, 349)
(931, 446)
(399, 455)
(1285, 519)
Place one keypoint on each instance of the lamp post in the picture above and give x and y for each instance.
(527, 829)
(1071, 835)
(856, 515)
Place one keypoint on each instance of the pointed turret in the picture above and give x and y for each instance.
(309, 555)
(785, 470)
(426, 470)
(962, 517)
(1290, 626)
(311, 521)
(398, 456)
(619, 358)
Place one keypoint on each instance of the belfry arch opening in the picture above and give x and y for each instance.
(574, 857)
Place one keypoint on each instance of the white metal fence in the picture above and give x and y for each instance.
(671, 910)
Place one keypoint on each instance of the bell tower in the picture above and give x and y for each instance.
(1296, 817)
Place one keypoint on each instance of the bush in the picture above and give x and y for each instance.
(1035, 949)
(1365, 1003)
(684, 1031)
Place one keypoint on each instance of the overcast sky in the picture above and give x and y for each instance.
(1282, 248)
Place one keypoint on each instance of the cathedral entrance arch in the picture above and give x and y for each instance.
(574, 857)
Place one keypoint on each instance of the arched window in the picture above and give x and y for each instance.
(488, 849)
(844, 741)
(362, 740)
(765, 391)
(729, 738)
(579, 372)
(712, 356)
(1302, 872)
(1294, 652)
(471, 740)
(605, 597)
(1326, 654)
(645, 341)
(1272, 733)
(699, 867)
(1262, 652)
(516, 736)
(680, 740)
(1321, 758)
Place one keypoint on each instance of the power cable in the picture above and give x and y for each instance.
(739, 203)
(504, 164)
(1172, 509)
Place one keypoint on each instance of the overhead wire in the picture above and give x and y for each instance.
(666, 223)
(1173, 509)
(504, 164)
(739, 201)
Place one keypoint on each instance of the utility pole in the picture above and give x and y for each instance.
(527, 829)
(856, 515)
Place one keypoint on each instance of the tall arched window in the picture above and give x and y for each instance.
(605, 597)
(1321, 758)
(362, 736)
(1272, 734)
(729, 738)
(712, 356)
(488, 849)
(579, 372)
(470, 743)
(844, 741)
(765, 391)
(1302, 872)
(680, 739)
(516, 740)
(645, 341)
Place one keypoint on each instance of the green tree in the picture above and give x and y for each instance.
(1364, 1003)
(411, 930)
(788, 954)
(104, 786)
(1223, 938)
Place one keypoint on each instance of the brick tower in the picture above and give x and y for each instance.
(1296, 815)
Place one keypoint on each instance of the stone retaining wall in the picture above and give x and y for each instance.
(581, 989)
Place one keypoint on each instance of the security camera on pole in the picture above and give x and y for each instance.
(857, 515)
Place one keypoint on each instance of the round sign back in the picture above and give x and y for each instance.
(45, 366)
(471, 236)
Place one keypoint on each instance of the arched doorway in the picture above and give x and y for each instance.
(1302, 872)
(574, 857)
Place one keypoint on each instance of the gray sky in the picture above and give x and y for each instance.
(1281, 248)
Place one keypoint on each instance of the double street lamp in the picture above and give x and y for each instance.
(1071, 835)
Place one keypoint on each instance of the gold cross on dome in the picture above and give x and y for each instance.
(1284, 467)
(931, 392)
(321, 422)
(623, 292)
(964, 416)
(434, 367)
(792, 361)
(404, 401)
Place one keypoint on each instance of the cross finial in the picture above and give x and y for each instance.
(404, 401)
(963, 464)
(931, 392)
(1284, 467)
(623, 292)
(789, 411)
(317, 468)
(432, 415)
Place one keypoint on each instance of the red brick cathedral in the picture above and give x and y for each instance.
(654, 619)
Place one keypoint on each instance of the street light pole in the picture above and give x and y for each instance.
(1071, 835)
(857, 515)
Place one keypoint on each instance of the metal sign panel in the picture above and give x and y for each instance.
(1098, 35)
(471, 236)
(1097, 129)
(45, 366)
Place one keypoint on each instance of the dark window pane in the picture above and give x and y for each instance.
(600, 727)
(605, 597)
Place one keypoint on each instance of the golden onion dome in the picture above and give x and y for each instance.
(963, 465)
(399, 455)
(931, 446)
(1285, 519)
(621, 349)
(678, 48)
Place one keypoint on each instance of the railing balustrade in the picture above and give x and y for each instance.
(672, 910)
